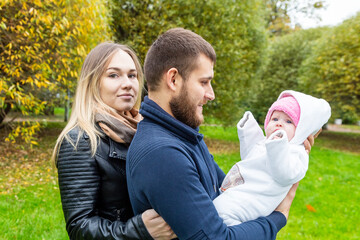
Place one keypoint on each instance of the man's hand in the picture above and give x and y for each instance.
(285, 205)
(309, 142)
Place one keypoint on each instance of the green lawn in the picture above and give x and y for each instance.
(30, 205)
(32, 212)
(330, 189)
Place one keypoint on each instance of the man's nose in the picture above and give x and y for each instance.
(210, 95)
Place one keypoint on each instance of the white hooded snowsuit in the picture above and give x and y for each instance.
(257, 184)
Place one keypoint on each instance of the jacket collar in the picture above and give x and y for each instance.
(115, 150)
(151, 110)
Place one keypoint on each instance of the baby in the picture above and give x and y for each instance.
(270, 165)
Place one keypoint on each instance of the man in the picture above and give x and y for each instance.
(169, 167)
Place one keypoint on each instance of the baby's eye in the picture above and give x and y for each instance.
(275, 119)
(289, 121)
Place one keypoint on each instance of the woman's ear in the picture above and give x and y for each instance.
(173, 79)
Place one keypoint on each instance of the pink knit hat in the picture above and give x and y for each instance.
(288, 105)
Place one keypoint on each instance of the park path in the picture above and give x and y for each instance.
(340, 128)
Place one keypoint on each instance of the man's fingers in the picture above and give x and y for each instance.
(317, 134)
(151, 214)
(307, 146)
(311, 140)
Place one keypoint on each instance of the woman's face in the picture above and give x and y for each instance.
(119, 85)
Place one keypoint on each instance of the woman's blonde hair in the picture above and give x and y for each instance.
(87, 98)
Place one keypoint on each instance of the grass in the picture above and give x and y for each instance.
(331, 189)
(30, 206)
(32, 212)
(326, 205)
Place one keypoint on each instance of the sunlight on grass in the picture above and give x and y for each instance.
(32, 213)
(331, 188)
(220, 133)
(326, 205)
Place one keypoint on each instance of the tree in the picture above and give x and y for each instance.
(282, 68)
(235, 29)
(333, 70)
(279, 12)
(43, 44)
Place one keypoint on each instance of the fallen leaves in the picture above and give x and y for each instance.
(310, 208)
(220, 146)
(24, 166)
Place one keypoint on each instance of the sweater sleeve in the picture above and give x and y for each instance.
(249, 133)
(219, 172)
(286, 162)
(167, 180)
(79, 183)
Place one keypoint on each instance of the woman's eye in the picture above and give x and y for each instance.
(132, 76)
(113, 75)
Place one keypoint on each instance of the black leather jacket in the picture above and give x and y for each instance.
(94, 193)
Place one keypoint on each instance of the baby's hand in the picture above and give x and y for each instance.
(277, 135)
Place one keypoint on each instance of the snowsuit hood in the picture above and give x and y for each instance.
(314, 113)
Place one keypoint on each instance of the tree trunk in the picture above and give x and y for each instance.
(4, 112)
(67, 106)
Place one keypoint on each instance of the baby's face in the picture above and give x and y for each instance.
(280, 121)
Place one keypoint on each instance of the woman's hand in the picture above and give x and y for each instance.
(156, 225)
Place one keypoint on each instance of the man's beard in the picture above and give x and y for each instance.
(184, 110)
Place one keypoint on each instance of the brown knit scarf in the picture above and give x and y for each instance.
(120, 127)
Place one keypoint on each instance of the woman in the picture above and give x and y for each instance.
(90, 153)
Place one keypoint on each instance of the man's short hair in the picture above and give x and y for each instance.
(178, 48)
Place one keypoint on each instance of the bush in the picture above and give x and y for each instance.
(234, 28)
(333, 70)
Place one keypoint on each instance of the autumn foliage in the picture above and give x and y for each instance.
(43, 44)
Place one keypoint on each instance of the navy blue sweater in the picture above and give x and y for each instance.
(170, 169)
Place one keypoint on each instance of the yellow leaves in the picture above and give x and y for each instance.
(44, 47)
(23, 167)
(3, 25)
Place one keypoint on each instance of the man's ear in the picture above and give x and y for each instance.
(173, 79)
